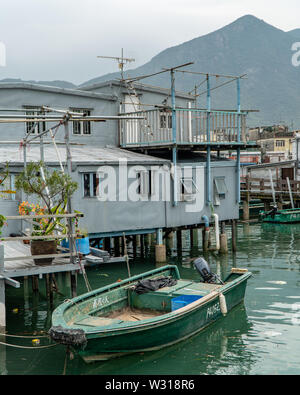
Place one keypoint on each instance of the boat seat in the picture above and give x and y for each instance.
(169, 290)
(196, 289)
(89, 320)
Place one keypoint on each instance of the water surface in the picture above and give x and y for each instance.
(260, 336)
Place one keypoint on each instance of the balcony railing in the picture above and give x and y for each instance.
(193, 127)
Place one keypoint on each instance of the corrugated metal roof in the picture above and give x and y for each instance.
(56, 89)
(137, 85)
(85, 155)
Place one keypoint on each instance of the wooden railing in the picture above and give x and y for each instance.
(261, 185)
(70, 236)
(193, 126)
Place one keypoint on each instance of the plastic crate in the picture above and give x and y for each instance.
(183, 300)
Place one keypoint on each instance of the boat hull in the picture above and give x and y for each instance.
(171, 329)
(283, 216)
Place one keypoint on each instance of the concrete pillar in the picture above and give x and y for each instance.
(160, 253)
(223, 239)
(246, 210)
(160, 248)
(205, 239)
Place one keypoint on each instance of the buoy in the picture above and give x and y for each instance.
(223, 305)
(35, 342)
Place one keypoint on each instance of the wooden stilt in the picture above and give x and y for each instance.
(191, 238)
(233, 234)
(117, 246)
(134, 245)
(179, 240)
(73, 284)
(35, 283)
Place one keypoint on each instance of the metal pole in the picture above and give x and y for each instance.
(174, 149)
(208, 169)
(238, 152)
(290, 192)
(69, 203)
(272, 186)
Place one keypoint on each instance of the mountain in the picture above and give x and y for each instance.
(58, 83)
(248, 45)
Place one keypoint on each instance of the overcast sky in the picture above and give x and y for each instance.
(60, 39)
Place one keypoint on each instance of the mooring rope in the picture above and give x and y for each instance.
(25, 336)
(27, 347)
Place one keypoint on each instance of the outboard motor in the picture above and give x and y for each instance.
(205, 272)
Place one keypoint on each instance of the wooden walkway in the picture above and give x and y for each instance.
(261, 188)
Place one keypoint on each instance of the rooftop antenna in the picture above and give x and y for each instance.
(121, 60)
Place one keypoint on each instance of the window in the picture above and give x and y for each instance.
(81, 128)
(188, 188)
(220, 190)
(280, 143)
(90, 184)
(146, 183)
(165, 120)
(34, 127)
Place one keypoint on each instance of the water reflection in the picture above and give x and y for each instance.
(222, 343)
(260, 336)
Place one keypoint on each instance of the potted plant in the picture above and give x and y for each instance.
(82, 238)
(52, 189)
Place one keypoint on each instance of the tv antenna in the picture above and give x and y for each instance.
(121, 60)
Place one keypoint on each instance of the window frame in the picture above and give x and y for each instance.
(220, 191)
(93, 185)
(187, 192)
(40, 126)
(82, 125)
(165, 119)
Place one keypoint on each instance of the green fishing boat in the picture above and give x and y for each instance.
(145, 312)
(287, 216)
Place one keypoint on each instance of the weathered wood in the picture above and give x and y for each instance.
(9, 238)
(19, 258)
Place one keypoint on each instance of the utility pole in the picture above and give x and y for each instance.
(121, 60)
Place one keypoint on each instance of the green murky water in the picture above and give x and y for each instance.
(261, 336)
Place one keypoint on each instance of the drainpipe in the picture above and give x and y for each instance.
(217, 231)
(206, 221)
